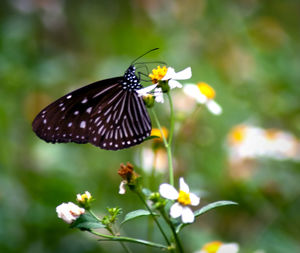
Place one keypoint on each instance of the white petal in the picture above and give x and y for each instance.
(168, 191)
(170, 74)
(176, 210)
(187, 215)
(195, 200)
(146, 90)
(122, 189)
(228, 248)
(174, 84)
(183, 186)
(193, 91)
(159, 96)
(214, 107)
(69, 212)
(181, 75)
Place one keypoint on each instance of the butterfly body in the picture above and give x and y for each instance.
(108, 114)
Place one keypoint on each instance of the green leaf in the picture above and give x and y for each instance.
(212, 206)
(135, 214)
(206, 209)
(86, 222)
(151, 137)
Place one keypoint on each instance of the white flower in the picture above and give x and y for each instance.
(219, 247)
(69, 212)
(84, 197)
(183, 199)
(165, 74)
(204, 94)
(122, 189)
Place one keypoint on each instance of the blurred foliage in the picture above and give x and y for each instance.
(248, 50)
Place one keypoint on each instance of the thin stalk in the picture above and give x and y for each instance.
(169, 150)
(128, 239)
(167, 146)
(153, 216)
(172, 119)
(176, 238)
(124, 246)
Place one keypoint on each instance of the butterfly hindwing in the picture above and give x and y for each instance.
(115, 126)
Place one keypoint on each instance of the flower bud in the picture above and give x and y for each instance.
(69, 212)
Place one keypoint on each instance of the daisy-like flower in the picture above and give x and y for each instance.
(219, 247)
(204, 94)
(161, 75)
(84, 200)
(84, 197)
(69, 212)
(184, 198)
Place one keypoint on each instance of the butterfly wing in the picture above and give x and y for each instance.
(102, 113)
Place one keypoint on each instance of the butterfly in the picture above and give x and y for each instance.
(108, 114)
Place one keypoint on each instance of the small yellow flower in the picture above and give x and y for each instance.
(156, 132)
(204, 94)
(219, 247)
(184, 198)
(238, 134)
(164, 79)
(206, 90)
(84, 200)
(212, 247)
(158, 73)
(84, 197)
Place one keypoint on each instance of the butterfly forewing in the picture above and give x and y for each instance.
(102, 113)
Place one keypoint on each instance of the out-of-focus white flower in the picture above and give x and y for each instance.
(204, 94)
(184, 198)
(69, 212)
(164, 74)
(246, 141)
(157, 159)
(219, 247)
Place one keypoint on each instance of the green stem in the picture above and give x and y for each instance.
(167, 146)
(128, 239)
(176, 238)
(172, 119)
(124, 246)
(153, 216)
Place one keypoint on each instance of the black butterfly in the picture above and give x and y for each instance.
(108, 114)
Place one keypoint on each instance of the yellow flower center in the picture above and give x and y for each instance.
(271, 134)
(206, 90)
(212, 247)
(184, 198)
(238, 134)
(158, 73)
(156, 132)
(84, 197)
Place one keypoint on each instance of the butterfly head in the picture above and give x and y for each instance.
(130, 81)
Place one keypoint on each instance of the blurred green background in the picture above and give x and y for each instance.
(248, 50)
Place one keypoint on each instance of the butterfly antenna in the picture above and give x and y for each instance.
(144, 55)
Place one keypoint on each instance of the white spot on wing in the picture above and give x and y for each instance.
(82, 124)
(44, 121)
(89, 110)
(69, 96)
(84, 100)
(70, 124)
(76, 112)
